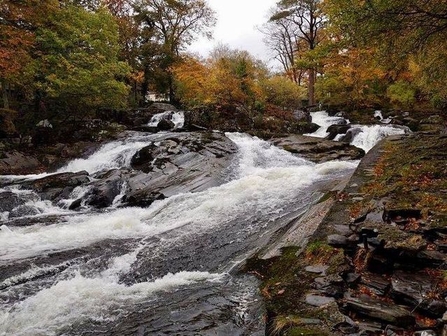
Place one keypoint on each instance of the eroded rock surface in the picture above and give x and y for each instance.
(317, 149)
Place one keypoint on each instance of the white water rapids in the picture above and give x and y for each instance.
(367, 137)
(54, 298)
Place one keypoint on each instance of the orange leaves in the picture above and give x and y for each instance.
(228, 77)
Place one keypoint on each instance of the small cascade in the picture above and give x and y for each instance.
(177, 118)
(378, 115)
(369, 136)
(26, 204)
(78, 193)
(323, 120)
(365, 137)
(117, 201)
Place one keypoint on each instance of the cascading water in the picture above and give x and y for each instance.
(177, 117)
(162, 269)
(322, 119)
(366, 137)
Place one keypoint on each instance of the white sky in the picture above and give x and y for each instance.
(236, 26)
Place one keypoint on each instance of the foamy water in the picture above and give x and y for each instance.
(265, 181)
(177, 117)
(322, 119)
(366, 138)
(80, 299)
(267, 178)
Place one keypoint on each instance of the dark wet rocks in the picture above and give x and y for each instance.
(178, 163)
(317, 149)
(335, 130)
(10, 201)
(18, 163)
(380, 310)
(57, 186)
(418, 290)
(106, 187)
(395, 277)
(187, 162)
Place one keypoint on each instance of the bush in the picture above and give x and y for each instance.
(402, 94)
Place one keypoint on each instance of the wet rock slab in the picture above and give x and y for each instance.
(317, 149)
(379, 310)
(16, 163)
(418, 290)
(186, 162)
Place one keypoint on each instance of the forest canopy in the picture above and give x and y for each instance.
(73, 57)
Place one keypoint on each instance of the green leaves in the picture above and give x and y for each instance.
(79, 60)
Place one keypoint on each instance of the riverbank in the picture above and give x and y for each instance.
(376, 261)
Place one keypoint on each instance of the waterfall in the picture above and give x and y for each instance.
(365, 136)
(322, 119)
(178, 118)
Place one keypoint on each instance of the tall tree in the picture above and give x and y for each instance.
(282, 39)
(307, 22)
(169, 26)
(404, 32)
(18, 23)
(79, 67)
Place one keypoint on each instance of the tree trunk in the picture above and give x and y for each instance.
(311, 87)
(5, 93)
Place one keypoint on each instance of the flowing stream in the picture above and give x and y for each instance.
(171, 268)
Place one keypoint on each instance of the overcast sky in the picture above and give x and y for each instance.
(236, 26)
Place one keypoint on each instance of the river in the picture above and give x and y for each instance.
(171, 268)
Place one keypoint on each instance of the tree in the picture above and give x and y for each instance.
(79, 68)
(307, 21)
(18, 23)
(403, 32)
(352, 77)
(168, 27)
(282, 39)
(282, 92)
(227, 77)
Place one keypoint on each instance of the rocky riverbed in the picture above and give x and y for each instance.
(376, 262)
(148, 212)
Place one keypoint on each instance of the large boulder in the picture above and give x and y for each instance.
(56, 186)
(335, 130)
(17, 163)
(318, 149)
(188, 162)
